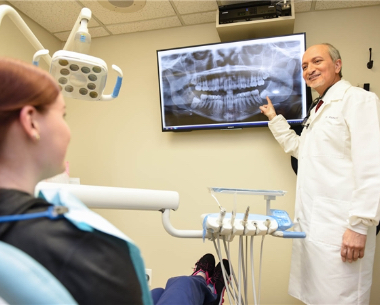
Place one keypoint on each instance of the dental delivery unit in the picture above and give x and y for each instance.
(216, 227)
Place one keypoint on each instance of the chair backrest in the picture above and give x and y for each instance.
(25, 281)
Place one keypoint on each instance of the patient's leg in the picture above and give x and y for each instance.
(186, 290)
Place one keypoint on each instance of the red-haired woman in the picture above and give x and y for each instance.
(96, 268)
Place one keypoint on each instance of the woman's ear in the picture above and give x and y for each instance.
(29, 122)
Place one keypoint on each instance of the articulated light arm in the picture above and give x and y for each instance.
(105, 197)
(85, 16)
(6, 10)
(179, 233)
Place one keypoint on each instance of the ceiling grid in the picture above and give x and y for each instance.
(59, 16)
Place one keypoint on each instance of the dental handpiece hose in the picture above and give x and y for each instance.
(245, 219)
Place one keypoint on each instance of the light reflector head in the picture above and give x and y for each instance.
(80, 76)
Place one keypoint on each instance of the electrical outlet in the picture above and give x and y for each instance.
(148, 274)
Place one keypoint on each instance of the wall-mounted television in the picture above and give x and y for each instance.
(222, 85)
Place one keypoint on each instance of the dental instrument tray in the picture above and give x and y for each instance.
(246, 191)
(275, 222)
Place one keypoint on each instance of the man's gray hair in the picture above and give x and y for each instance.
(334, 54)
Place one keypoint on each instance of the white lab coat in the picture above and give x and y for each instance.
(338, 187)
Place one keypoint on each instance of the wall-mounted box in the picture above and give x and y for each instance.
(260, 27)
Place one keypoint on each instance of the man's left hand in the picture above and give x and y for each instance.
(353, 246)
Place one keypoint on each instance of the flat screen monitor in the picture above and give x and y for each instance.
(222, 85)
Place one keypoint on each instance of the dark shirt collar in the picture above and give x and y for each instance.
(13, 202)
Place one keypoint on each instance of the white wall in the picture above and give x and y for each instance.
(13, 43)
(352, 32)
(120, 143)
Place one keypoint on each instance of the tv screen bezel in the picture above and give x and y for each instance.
(305, 91)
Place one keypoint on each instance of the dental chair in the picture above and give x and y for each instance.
(25, 281)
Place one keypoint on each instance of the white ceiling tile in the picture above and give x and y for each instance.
(329, 4)
(195, 6)
(302, 5)
(152, 9)
(144, 25)
(208, 17)
(98, 32)
(59, 16)
(62, 36)
(54, 16)
(95, 32)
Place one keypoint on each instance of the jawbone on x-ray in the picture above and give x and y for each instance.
(229, 84)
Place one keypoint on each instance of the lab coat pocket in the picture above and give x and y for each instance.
(328, 141)
(328, 221)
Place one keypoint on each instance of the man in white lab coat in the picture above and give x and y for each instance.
(338, 184)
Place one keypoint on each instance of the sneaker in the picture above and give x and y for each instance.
(217, 281)
(206, 264)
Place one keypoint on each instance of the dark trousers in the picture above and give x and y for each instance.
(184, 290)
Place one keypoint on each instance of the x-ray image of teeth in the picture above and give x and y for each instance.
(228, 84)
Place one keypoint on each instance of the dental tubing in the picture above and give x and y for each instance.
(226, 226)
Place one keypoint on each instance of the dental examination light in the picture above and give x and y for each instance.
(79, 75)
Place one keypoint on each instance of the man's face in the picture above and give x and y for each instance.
(319, 70)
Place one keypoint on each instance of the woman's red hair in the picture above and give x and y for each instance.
(23, 84)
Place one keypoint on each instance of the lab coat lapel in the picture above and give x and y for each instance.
(333, 94)
(314, 114)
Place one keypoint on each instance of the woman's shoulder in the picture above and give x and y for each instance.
(13, 201)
